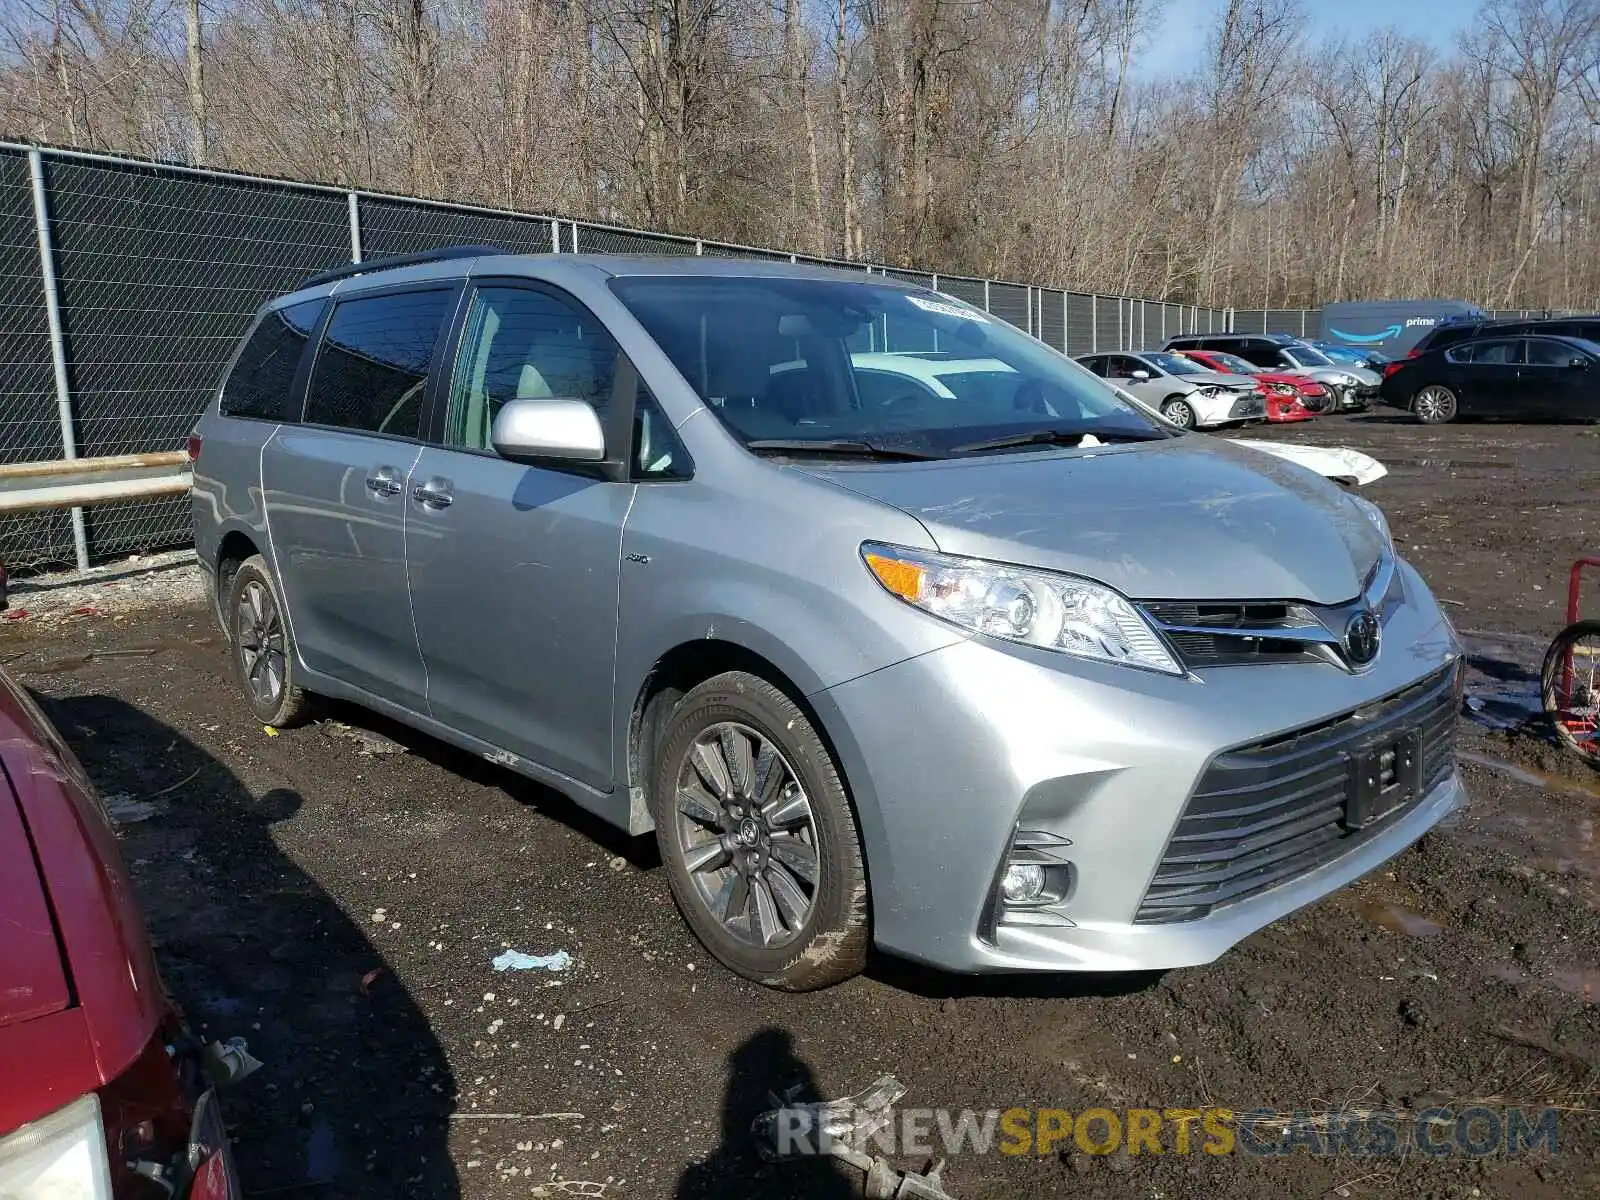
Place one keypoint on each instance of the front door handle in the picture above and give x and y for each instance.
(384, 481)
(436, 493)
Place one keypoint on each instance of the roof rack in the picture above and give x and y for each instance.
(442, 254)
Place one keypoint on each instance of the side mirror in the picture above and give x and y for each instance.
(564, 430)
(1140, 376)
(1579, 361)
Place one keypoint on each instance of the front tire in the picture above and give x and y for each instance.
(263, 648)
(1179, 411)
(758, 837)
(1434, 405)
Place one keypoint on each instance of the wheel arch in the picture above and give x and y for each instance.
(235, 548)
(690, 663)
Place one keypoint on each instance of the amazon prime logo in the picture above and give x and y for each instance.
(1361, 638)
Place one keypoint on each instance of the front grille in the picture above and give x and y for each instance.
(1248, 406)
(1243, 632)
(1264, 814)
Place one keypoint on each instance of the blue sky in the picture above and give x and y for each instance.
(1180, 41)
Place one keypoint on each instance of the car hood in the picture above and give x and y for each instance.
(1241, 383)
(33, 982)
(1331, 462)
(1192, 518)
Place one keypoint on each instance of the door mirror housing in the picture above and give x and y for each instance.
(557, 429)
(1140, 376)
(1579, 361)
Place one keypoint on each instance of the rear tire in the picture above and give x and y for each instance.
(747, 803)
(263, 648)
(1434, 405)
(1179, 411)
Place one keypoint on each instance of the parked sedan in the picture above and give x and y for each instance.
(102, 1098)
(1525, 378)
(1353, 388)
(1289, 397)
(1183, 392)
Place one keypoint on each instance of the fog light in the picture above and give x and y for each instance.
(1022, 883)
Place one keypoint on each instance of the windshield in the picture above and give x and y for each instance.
(1342, 354)
(1232, 364)
(1302, 355)
(1175, 364)
(804, 361)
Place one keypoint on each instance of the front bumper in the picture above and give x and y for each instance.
(949, 753)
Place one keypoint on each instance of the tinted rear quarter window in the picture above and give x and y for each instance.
(372, 367)
(261, 384)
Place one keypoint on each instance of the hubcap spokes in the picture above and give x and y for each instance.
(748, 836)
(261, 643)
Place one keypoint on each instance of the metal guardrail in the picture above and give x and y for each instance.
(80, 482)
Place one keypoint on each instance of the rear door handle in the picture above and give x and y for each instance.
(436, 493)
(384, 481)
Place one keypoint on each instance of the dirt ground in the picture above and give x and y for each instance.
(336, 894)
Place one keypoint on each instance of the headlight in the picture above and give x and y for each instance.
(1036, 608)
(1281, 389)
(58, 1157)
(1375, 515)
(1345, 380)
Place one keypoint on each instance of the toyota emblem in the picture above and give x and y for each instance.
(1361, 638)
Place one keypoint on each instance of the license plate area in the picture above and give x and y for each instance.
(1385, 775)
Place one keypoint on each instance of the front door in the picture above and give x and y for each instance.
(1551, 383)
(335, 491)
(514, 569)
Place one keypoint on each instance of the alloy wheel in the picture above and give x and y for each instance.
(1179, 413)
(748, 835)
(261, 643)
(1435, 405)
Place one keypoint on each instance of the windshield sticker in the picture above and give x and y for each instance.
(948, 310)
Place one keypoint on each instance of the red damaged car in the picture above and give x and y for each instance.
(1289, 397)
(103, 1095)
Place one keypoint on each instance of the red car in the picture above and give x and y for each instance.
(1289, 397)
(104, 1095)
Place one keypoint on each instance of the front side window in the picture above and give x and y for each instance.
(261, 384)
(1173, 364)
(372, 369)
(524, 344)
(782, 359)
(1543, 352)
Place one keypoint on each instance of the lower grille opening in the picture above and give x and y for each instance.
(1265, 814)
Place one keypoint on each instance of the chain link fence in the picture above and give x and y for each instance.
(156, 269)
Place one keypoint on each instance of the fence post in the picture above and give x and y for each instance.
(355, 226)
(555, 237)
(58, 350)
(699, 248)
(574, 237)
(936, 282)
(1094, 322)
(986, 307)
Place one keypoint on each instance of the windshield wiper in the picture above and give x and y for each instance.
(840, 449)
(1056, 437)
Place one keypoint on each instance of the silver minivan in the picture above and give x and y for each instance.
(896, 627)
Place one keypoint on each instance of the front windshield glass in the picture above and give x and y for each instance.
(1233, 364)
(796, 360)
(1307, 356)
(1342, 354)
(1175, 364)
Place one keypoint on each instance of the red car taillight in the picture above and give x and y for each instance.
(1389, 368)
(192, 447)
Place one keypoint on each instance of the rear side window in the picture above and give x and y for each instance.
(372, 368)
(261, 384)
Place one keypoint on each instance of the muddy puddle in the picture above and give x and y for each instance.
(66, 664)
(1452, 464)
(1399, 920)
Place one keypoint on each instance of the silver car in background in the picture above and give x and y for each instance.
(998, 675)
(1185, 393)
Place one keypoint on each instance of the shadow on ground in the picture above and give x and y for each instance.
(354, 1095)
